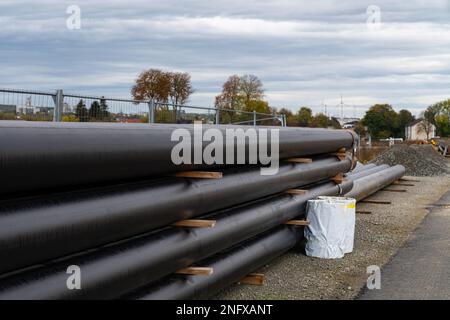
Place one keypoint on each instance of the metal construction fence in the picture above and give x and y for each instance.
(59, 106)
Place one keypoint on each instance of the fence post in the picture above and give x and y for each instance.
(284, 120)
(151, 111)
(217, 116)
(254, 117)
(58, 98)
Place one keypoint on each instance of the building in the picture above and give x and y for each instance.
(420, 130)
(343, 121)
(350, 124)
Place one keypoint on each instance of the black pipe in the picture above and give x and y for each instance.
(49, 155)
(116, 270)
(37, 230)
(359, 167)
(229, 268)
(368, 185)
(364, 172)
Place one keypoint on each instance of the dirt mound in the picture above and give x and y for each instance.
(419, 160)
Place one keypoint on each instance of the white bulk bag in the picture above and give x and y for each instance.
(330, 232)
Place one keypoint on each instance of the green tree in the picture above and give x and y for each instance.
(81, 112)
(258, 106)
(381, 121)
(95, 111)
(291, 119)
(404, 118)
(304, 116)
(320, 120)
(104, 113)
(442, 125)
(334, 122)
(436, 114)
(431, 113)
(360, 129)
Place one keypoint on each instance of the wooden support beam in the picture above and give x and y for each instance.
(363, 212)
(339, 178)
(297, 222)
(197, 271)
(375, 201)
(193, 223)
(296, 191)
(408, 180)
(254, 279)
(403, 184)
(394, 190)
(199, 174)
(299, 160)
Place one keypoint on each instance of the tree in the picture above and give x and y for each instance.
(442, 125)
(304, 117)
(320, 120)
(334, 122)
(360, 129)
(241, 93)
(104, 113)
(95, 111)
(291, 119)
(426, 127)
(382, 121)
(404, 118)
(81, 112)
(251, 88)
(180, 87)
(436, 114)
(230, 96)
(258, 106)
(431, 113)
(152, 84)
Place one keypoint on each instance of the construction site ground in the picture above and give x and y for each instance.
(379, 237)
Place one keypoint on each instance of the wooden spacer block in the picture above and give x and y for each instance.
(408, 180)
(296, 191)
(403, 184)
(192, 223)
(198, 271)
(297, 222)
(199, 174)
(254, 279)
(363, 212)
(299, 160)
(338, 178)
(375, 201)
(394, 190)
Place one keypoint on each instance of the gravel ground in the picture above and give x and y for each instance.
(419, 160)
(378, 237)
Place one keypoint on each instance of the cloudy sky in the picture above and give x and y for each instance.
(306, 52)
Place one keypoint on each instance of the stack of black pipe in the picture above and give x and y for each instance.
(102, 197)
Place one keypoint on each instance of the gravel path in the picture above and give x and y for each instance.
(378, 237)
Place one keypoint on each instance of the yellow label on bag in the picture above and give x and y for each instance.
(351, 206)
